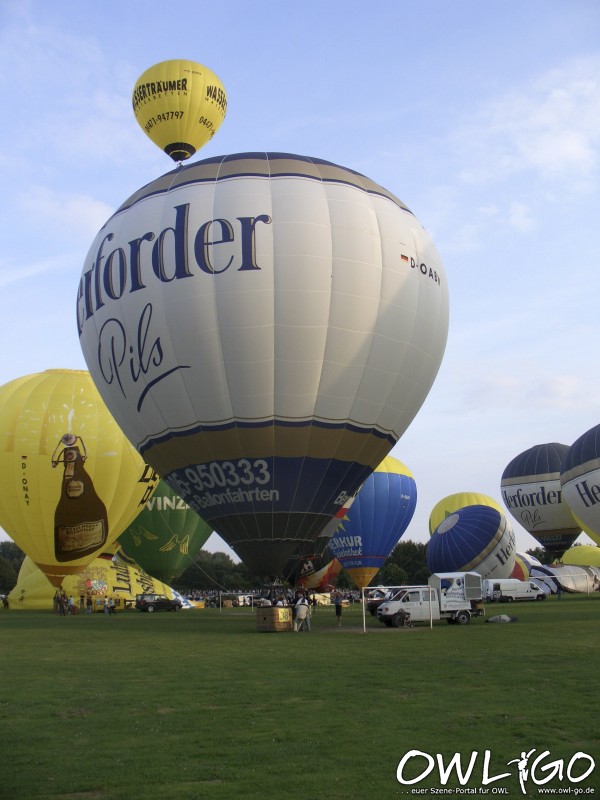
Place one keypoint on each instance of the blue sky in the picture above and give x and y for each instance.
(483, 117)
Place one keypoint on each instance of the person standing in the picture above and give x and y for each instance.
(302, 616)
(337, 600)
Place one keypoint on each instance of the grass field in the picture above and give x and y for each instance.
(199, 705)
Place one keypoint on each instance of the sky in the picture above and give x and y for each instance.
(484, 118)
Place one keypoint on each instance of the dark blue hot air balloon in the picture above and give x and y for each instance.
(473, 539)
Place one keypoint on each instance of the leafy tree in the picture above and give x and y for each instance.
(8, 576)
(13, 554)
(542, 555)
(411, 558)
(215, 571)
(392, 575)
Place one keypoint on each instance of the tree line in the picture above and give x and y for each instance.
(407, 564)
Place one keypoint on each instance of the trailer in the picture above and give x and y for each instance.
(453, 596)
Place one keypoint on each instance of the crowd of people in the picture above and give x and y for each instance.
(65, 605)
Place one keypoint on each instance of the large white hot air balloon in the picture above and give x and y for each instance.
(264, 327)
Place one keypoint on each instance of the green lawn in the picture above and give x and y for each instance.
(199, 705)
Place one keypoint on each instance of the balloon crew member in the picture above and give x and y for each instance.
(302, 616)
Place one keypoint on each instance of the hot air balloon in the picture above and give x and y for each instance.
(71, 481)
(264, 327)
(318, 574)
(180, 105)
(380, 514)
(584, 555)
(102, 577)
(448, 505)
(473, 539)
(165, 536)
(531, 490)
(524, 562)
(580, 481)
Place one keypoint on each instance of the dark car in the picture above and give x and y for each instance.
(156, 602)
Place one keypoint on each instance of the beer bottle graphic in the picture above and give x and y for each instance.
(80, 519)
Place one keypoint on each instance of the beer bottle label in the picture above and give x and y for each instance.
(72, 539)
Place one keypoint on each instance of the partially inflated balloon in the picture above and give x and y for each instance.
(103, 577)
(580, 480)
(165, 536)
(531, 490)
(379, 515)
(474, 539)
(448, 505)
(180, 105)
(318, 575)
(584, 555)
(264, 327)
(71, 481)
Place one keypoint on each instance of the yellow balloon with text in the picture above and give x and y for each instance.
(454, 502)
(104, 578)
(180, 105)
(71, 481)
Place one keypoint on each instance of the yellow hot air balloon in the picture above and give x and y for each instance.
(180, 105)
(453, 502)
(71, 481)
(104, 577)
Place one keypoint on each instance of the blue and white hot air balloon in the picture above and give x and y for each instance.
(380, 514)
(473, 539)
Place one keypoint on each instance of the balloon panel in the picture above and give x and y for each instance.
(264, 327)
(475, 538)
(180, 105)
(448, 505)
(531, 490)
(71, 480)
(379, 515)
(165, 536)
(580, 479)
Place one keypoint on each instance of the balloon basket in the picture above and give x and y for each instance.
(274, 619)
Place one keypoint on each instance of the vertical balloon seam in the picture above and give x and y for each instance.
(239, 520)
(311, 429)
(174, 184)
(350, 469)
(207, 442)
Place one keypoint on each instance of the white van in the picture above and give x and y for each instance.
(507, 590)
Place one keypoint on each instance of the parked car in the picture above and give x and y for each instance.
(156, 602)
(377, 596)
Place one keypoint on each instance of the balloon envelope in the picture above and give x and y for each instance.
(379, 515)
(584, 555)
(580, 480)
(102, 577)
(448, 505)
(531, 490)
(165, 536)
(180, 105)
(473, 539)
(264, 327)
(71, 481)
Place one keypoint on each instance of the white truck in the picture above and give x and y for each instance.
(507, 590)
(454, 596)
